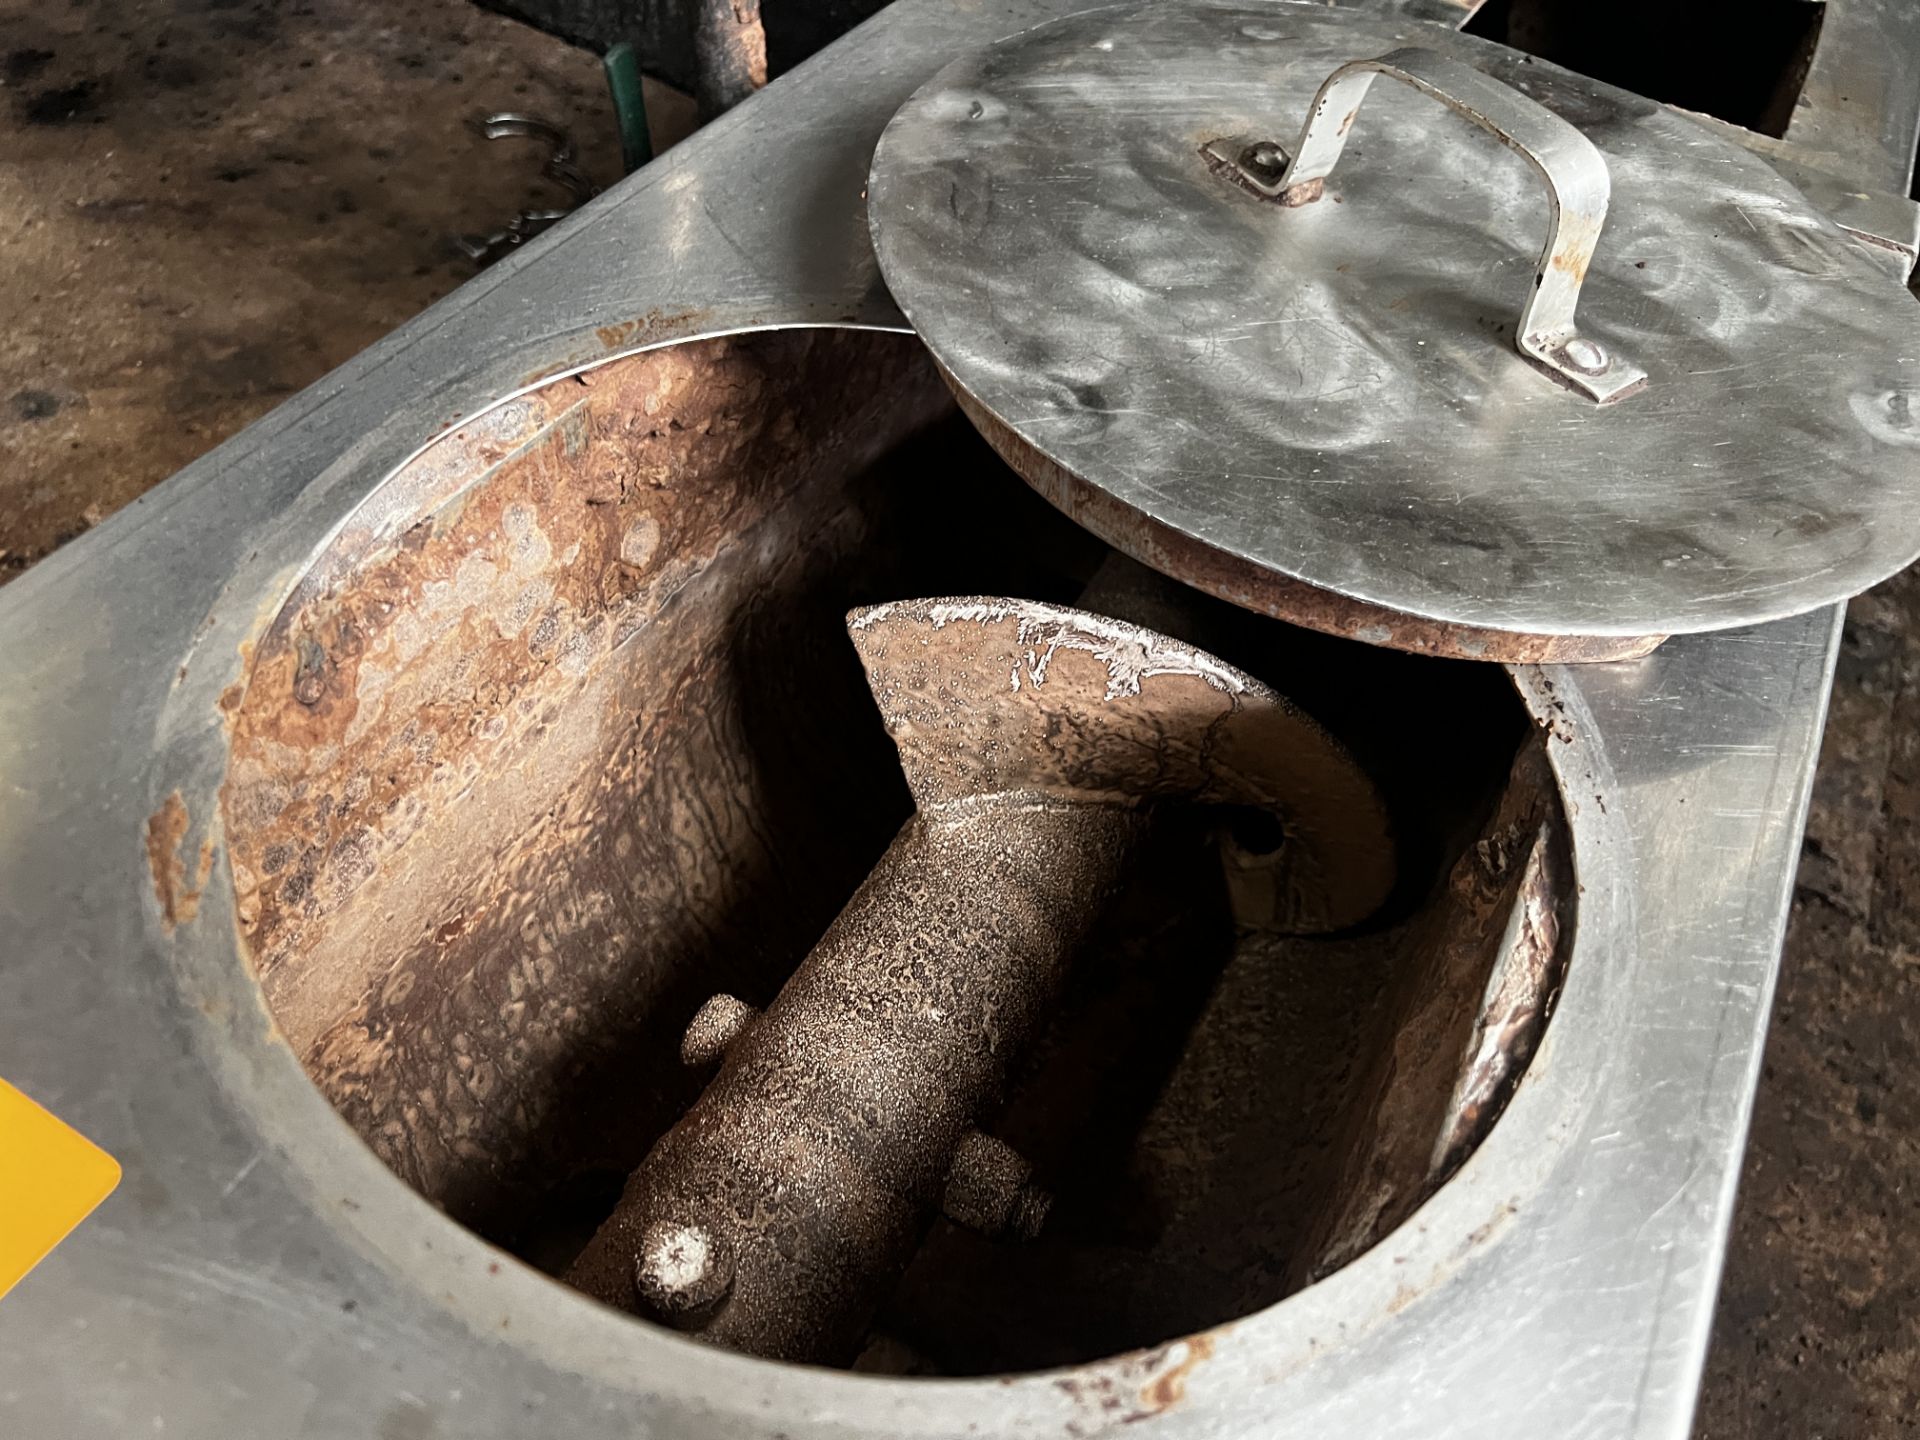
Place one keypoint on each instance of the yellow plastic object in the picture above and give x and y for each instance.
(51, 1177)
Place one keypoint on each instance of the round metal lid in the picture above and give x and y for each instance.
(1302, 385)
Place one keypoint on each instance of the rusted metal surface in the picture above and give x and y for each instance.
(681, 1271)
(1486, 960)
(501, 799)
(1526, 976)
(816, 1157)
(990, 1189)
(714, 1028)
(1191, 1110)
(488, 876)
(1032, 738)
(1195, 563)
(1082, 705)
(729, 52)
(1134, 1388)
(178, 895)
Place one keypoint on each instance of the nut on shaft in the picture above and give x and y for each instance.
(681, 1269)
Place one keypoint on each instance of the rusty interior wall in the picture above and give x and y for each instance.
(516, 789)
(564, 734)
(1481, 968)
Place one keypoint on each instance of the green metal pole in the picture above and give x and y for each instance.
(622, 65)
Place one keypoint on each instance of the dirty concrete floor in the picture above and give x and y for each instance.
(1818, 1333)
(206, 204)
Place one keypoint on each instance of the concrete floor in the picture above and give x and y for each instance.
(207, 204)
(1819, 1326)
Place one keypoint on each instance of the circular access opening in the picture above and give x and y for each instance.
(563, 735)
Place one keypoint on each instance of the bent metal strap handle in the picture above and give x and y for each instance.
(1577, 193)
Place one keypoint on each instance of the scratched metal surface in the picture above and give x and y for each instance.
(1331, 392)
(260, 1272)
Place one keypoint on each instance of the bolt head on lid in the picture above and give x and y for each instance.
(1324, 399)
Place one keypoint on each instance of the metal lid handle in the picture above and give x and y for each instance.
(1577, 192)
